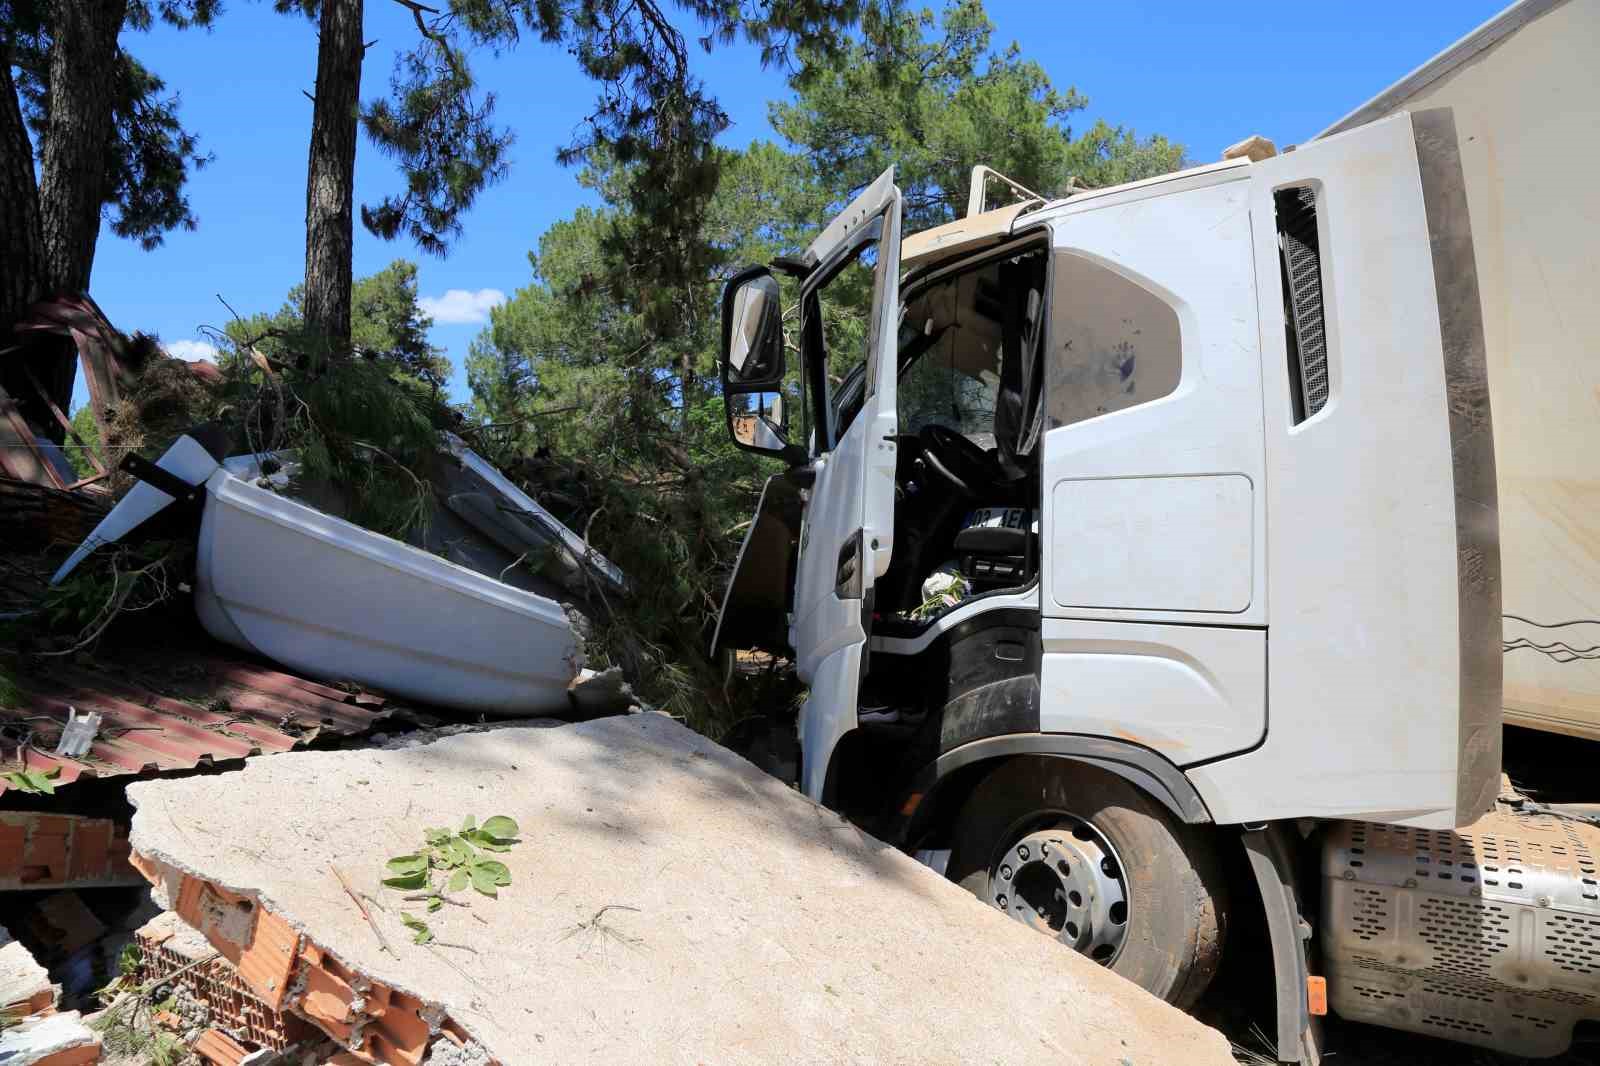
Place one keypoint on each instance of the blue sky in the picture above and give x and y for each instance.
(1203, 74)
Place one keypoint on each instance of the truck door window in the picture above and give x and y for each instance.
(840, 327)
(1113, 344)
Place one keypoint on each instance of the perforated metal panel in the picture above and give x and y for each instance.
(1302, 271)
(1488, 935)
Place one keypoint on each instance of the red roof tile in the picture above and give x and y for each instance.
(174, 710)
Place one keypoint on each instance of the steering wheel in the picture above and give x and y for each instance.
(956, 459)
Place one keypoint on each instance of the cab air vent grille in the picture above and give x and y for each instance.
(1300, 255)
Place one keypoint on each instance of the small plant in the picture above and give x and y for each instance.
(448, 862)
(33, 782)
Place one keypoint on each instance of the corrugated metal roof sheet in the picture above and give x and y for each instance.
(172, 710)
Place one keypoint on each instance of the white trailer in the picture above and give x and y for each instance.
(1525, 90)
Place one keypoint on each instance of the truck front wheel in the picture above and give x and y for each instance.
(1082, 855)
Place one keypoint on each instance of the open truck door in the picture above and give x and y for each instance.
(845, 468)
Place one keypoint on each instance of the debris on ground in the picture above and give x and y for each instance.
(657, 872)
(202, 991)
(64, 923)
(32, 1031)
(50, 1040)
(25, 986)
(166, 706)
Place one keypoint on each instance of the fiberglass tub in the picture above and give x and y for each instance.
(336, 601)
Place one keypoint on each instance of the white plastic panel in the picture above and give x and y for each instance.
(1154, 509)
(185, 459)
(336, 601)
(1361, 556)
(1154, 543)
(828, 713)
(1188, 692)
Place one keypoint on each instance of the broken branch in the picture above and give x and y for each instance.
(362, 907)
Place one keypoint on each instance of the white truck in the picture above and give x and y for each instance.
(1145, 564)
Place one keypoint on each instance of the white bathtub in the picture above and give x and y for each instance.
(338, 602)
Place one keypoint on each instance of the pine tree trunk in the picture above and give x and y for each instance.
(685, 389)
(330, 174)
(72, 167)
(22, 273)
(22, 279)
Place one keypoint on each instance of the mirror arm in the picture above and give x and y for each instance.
(793, 266)
(799, 473)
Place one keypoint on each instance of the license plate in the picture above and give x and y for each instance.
(1000, 518)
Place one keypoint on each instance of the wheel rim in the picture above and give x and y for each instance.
(1066, 881)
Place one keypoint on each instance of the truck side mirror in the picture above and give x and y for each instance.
(752, 366)
(752, 329)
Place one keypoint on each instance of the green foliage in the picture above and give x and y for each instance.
(441, 136)
(387, 327)
(132, 1035)
(420, 933)
(123, 577)
(448, 862)
(387, 323)
(638, 455)
(33, 782)
(88, 430)
(367, 426)
(361, 430)
(934, 104)
(651, 113)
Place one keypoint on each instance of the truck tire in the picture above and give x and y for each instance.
(1086, 857)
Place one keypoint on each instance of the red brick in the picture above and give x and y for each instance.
(11, 838)
(90, 844)
(218, 1047)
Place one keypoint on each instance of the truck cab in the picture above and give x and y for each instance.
(1125, 533)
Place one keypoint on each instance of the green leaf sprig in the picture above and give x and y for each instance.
(448, 862)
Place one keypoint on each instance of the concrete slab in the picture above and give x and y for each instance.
(669, 903)
(25, 986)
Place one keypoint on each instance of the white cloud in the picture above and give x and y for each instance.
(193, 351)
(460, 307)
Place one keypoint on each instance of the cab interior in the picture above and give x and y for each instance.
(970, 355)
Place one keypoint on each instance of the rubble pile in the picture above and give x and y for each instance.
(32, 1031)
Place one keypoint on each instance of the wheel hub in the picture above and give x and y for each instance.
(1065, 882)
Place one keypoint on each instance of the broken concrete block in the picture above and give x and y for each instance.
(50, 1040)
(1254, 148)
(25, 986)
(667, 901)
(212, 993)
(595, 694)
